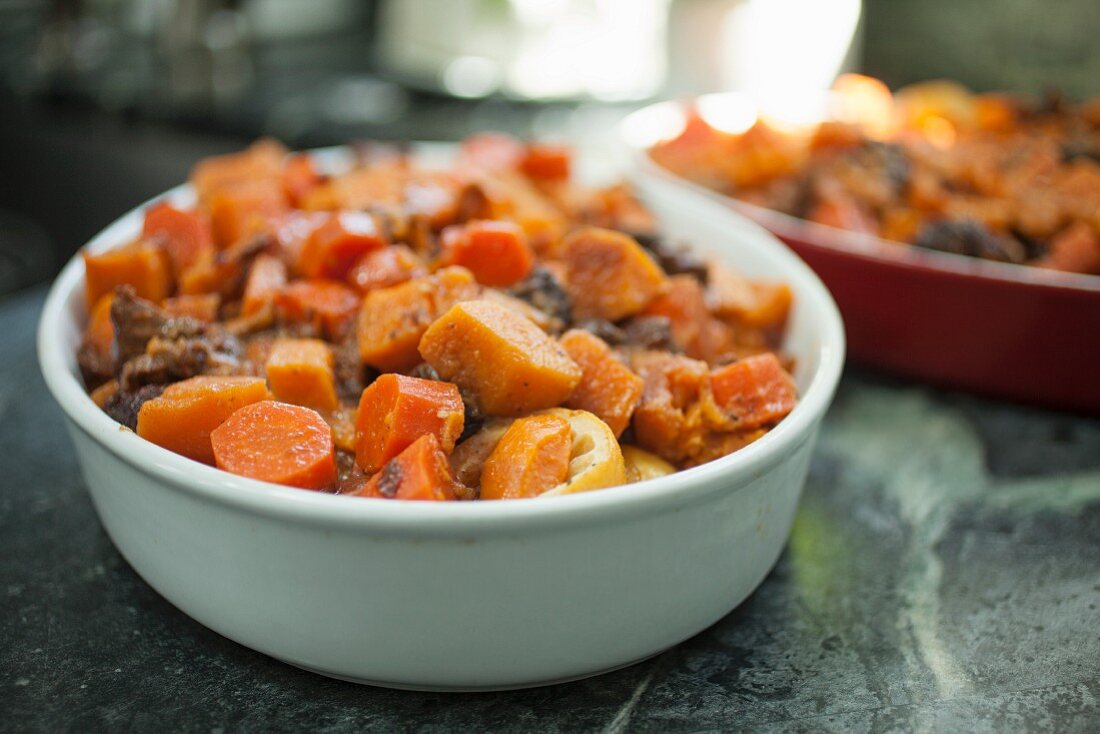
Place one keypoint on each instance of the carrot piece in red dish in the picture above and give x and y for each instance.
(328, 304)
(755, 391)
(279, 443)
(544, 162)
(185, 235)
(332, 248)
(420, 472)
(496, 253)
(395, 410)
(382, 268)
(182, 418)
(141, 264)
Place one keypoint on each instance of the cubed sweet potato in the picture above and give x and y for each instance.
(392, 320)
(755, 391)
(299, 371)
(199, 306)
(507, 364)
(142, 264)
(185, 235)
(266, 279)
(262, 160)
(607, 387)
(244, 209)
(609, 276)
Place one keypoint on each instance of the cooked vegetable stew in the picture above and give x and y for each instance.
(492, 331)
(992, 176)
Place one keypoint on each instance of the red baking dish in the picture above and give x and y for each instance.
(1007, 331)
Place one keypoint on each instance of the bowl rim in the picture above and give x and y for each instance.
(842, 241)
(437, 518)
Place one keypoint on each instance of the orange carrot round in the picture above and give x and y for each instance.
(531, 457)
(382, 268)
(496, 253)
(420, 472)
(279, 443)
(333, 248)
(396, 410)
(185, 236)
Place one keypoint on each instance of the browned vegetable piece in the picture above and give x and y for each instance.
(505, 363)
(607, 387)
(609, 275)
(669, 421)
(392, 320)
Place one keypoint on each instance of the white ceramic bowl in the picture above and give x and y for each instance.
(458, 596)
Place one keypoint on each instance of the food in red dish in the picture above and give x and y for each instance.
(992, 176)
(491, 331)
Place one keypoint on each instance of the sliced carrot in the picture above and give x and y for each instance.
(141, 264)
(184, 235)
(246, 208)
(609, 275)
(300, 177)
(200, 306)
(334, 247)
(382, 268)
(496, 253)
(420, 472)
(299, 371)
(262, 160)
(755, 391)
(183, 416)
(266, 278)
(279, 443)
(392, 320)
(508, 365)
(607, 387)
(531, 457)
(395, 410)
(328, 304)
(545, 162)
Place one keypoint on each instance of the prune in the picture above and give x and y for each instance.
(543, 291)
(673, 259)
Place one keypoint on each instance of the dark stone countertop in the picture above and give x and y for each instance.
(943, 574)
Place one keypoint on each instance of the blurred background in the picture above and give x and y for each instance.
(104, 103)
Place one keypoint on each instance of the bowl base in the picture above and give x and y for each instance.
(473, 689)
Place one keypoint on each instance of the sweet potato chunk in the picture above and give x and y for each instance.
(668, 420)
(141, 264)
(262, 160)
(609, 276)
(392, 320)
(279, 443)
(299, 177)
(299, 371)
(531, 457)
(182, 418)
(420, 472)
(607, 387)
(755, 391)
(245, 209)
(395, 410)
(508, 365)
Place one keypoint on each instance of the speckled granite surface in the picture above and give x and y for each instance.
(943, 574)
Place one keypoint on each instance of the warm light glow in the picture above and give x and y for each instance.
(785, 53)
(653, 125)
(864, 101)
(938, 131)
(729, 113)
